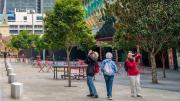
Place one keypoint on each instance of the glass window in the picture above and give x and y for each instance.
(28, 26)
(39, 18)
(38, 31)
(13, 26)
(13, 31)
(38, 26)
(22, 26)
(25, 18)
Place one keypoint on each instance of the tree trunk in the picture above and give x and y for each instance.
(100, 49)
(69, 68)
(163, 62)
(39, 52)
(154, 69)
(53, 57)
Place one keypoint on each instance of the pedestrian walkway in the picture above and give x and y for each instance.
(0, 95)
(42, 87)
(171, 82)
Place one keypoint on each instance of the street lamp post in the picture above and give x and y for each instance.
(32, 12)
(42, 11)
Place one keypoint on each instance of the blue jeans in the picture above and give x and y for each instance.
(109, 84)
(91, 86)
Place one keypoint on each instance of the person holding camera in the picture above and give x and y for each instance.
(91, 61)
(133, 73)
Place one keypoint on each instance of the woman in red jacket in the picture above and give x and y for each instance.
(134, 74)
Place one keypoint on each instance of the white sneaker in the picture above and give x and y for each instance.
(109, 98)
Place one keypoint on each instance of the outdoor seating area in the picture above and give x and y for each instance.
(31, 85)
(81, 50)
(78, 68)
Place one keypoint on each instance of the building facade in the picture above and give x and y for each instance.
(38, 5)
(24, 14)
(4, 29)
(94, 12)
(1, 6)
(4, 26)
(25, 20)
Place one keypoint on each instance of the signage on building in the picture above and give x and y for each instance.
(171, 62)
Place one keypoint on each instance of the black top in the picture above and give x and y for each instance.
(5, 54)
(91, 65)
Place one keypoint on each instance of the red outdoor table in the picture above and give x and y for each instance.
(74, 66)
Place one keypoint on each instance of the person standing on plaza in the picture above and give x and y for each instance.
(91, 61)
(109, 68)
(133, 74)
(23, 57)
(5, 53)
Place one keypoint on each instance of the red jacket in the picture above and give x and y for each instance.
(133, 69)
(137, 58)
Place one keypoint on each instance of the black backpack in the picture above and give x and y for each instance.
(125, 66)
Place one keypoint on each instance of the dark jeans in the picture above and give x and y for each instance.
(109, 84)
(91, 86)
(5, 63)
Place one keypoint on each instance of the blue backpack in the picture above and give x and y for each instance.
(108, 70)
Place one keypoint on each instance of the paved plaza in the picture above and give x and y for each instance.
(42, 87)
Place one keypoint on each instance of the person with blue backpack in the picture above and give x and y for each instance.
(109, 68)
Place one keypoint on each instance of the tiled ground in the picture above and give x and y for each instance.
(42, 87)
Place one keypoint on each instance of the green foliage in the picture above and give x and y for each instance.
(152, 23)
(27, 40)
(40, 43)
(22, 41)
(65, 25)
(87, 40)
(122, 40)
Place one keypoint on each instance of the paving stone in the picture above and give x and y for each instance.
(42, 87)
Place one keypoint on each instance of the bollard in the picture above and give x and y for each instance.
(11, 78)
(10, 71)
(8, 65)
(16, 90)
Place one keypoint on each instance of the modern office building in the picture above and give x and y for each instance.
(94, 12)
(25, 20)
(1, 6)
(38, 5)
(25, 14)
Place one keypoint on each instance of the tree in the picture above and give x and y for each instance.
(165, 47)
(40, 43)
(20, 41)
(66, 28)
(23, 40)
(125, 41)
(152, 23)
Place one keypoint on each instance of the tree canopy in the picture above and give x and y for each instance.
(152, 23)
(23, 40)
(65, 27)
